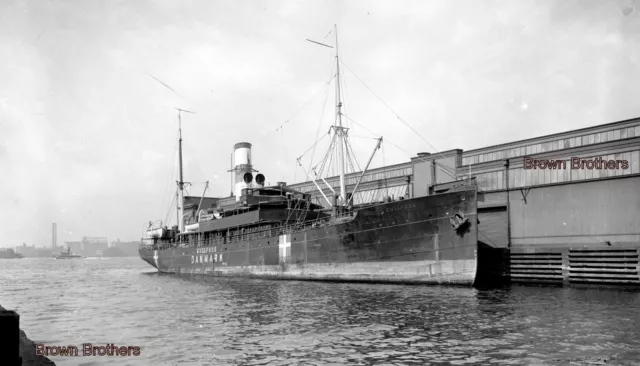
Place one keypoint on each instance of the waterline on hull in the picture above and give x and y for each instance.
(454, 272)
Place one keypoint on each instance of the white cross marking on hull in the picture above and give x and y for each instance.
(155, 258)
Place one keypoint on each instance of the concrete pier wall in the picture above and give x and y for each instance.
(27, 349)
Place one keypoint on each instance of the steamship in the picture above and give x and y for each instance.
(277, 232)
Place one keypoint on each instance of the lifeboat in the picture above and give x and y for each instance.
(155, 233)
(191, 228)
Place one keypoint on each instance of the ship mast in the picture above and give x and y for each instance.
(341, 135)
(181, 181)
(341, 131)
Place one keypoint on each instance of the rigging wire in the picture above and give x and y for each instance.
(295, 172)
(314, 145)
(327, 155)
(390, 109)
(167, 218)
(449, 171)
(324, 108)
(355, 159)
(373, 133)
(279, 128)
(386, 186)
(172, 168)
(199, 170)
(364, 137)
(343, 88)
(348, 155)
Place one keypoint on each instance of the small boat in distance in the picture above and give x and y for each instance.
(67, 255)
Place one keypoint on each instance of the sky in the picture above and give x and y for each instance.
(88, 91)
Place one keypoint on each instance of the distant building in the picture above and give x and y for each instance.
(127, 248)
(27, 251)
(94, 245)
(89, 246)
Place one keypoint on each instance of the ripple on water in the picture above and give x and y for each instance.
(201, 321)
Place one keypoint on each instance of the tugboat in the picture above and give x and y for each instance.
(67, 255)
(277, 232)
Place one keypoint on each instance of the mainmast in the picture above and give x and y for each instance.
(181, 181)
(342, 132)
(341, 135)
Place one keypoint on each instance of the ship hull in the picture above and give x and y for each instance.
(408, 241)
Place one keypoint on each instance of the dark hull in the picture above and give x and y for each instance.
(409, 241)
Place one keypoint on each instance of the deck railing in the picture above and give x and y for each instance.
(190, 241)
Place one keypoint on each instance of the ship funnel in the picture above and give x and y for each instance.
(242, 154)
(244, 169)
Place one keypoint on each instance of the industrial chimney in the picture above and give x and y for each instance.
(54, 235)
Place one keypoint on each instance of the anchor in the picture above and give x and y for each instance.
(459, 222)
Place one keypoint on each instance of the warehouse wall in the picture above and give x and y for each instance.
(492, 214)
(587, 213)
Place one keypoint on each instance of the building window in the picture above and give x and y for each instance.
(517, 178)
(589, 173)
(559, 176)
(635, 162)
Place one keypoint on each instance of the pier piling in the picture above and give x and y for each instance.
(10, 338)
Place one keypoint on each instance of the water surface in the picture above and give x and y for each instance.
(215, 321)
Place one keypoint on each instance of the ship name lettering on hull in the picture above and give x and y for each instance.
(211, 258)
(205, 250)
(400, 207)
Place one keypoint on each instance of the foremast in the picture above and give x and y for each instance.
(181, 182)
